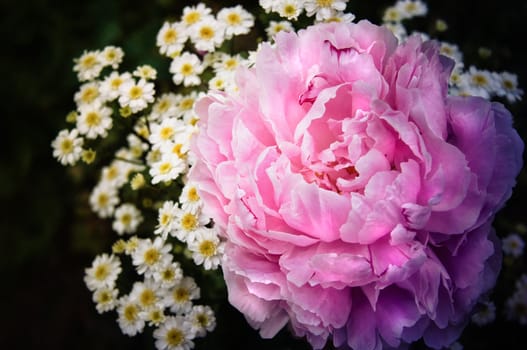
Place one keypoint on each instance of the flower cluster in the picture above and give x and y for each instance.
(340, 174)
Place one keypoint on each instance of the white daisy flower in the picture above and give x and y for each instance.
(192, 15)
(236, 19)
(171, 38)
(94, 120)
(167, 169)
(148, 255)
(168, 274)
(206, 248)
(324, 9)
(154, 315)
(145, 294)
(202, 320)
(129, 317)
(486, 314)
(478, 82)
(268, 5)
(179, 298)
(164, 107)
(187, 223)
(105, 299)
(186, 69)
(392, 14)
(165, 132)
(136, 95)
(146, 72)
(67, 147)
(116, 173)
(103, 272)
(208, 34)
(112, 56)
(339, 17)
(88, 93)
(166, 218)
(513, 245)
(508, 87)
(189, 199)
(411, 8)
(103, 200)
(276, 27)
(174, 334)
(289, 9)
(88, 66)
(127, 219)
(109, 88)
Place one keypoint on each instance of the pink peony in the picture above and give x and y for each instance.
(355, 196)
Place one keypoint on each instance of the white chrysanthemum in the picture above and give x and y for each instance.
(103, 272)
(171, 38)
(192, 15)
(105, 299)
(276, 27)
(136, 96)
(202, 320)
(227, 64)
(88, 66)
(167, 275)
(179, 299)
(186, 69)
(289, 9)
(206, 248)
(116, 174)
(513, 245)
(166, 218)
(112, 56)
(103, 200)
(154, 315)
(129, 317)
(109, 88)
(145, 294)
(88, 93)
(324, 9)
(267, 5)
(516, 306)
(164, 107)
(165, 132)
(187, 222)
(411, 8)
(167, 169)
(208, 34)
(189, 199)
(478, 82)
(486, 314)
(67, 146)
(508, 87)
(236, 19)
(126, 219)
(94, 120)
(148, 255)
(392, 14)
(146, 72)
(179, 148)
(186, 103)
(339, 17)
(174, 334)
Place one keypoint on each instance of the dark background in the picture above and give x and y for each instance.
(48, 234)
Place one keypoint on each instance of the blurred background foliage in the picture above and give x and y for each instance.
(48, 233)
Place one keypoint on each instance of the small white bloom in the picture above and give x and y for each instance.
(324, 9)
(186, 69)
(477, 82)
(88, 93)
(67, 146)
(411, 8)
(154, 315)
(105, 299)
(289, 9)
(202, 320)
(168, 274)
(278, 26)
(187, 222)
(392, 14)
(339, 17)
(171, 38)
(145, 294)
(508, 87)
(192, 15)
(208, 34)
(148, 255)
(137, 96)
(103, 272)
(206, 248)
(179, 298)
(127, 219)
(174, 334)
(94, 120)
(116, 173)
(190, 199)
(103, 200)
(164, 107)
(129, 317)
(167, 169)
(146, 72)
(237, 20)
(88, 66)
(111, 56)
(165, 218)
(485, 315)
(165, 132)
(109, 88)
(513, 245)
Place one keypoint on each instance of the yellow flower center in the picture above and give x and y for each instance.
(479, 80)
(104, 297)
(202, 319)
(135, 92)
(168, 274)
(101, 272)
(166, 132)
(324, 3)
(66, 146)
(186, 103)
(189, 222)
(233, 18)
(89, 94)
(207, 248)
(151, 256)
(93, 119)
(191, 17)
(130, 312)
(165, 168)
(187, 69)
(289, 10)
(170, 36)
(174, 337)
(115, 83)
(147, 297)
(126, 219)
(181, 294)
(177, 150)
(193, 195)
(89, 61)
(206, 32)
(102, 199)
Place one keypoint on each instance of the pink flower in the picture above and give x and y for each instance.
(355, 195)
